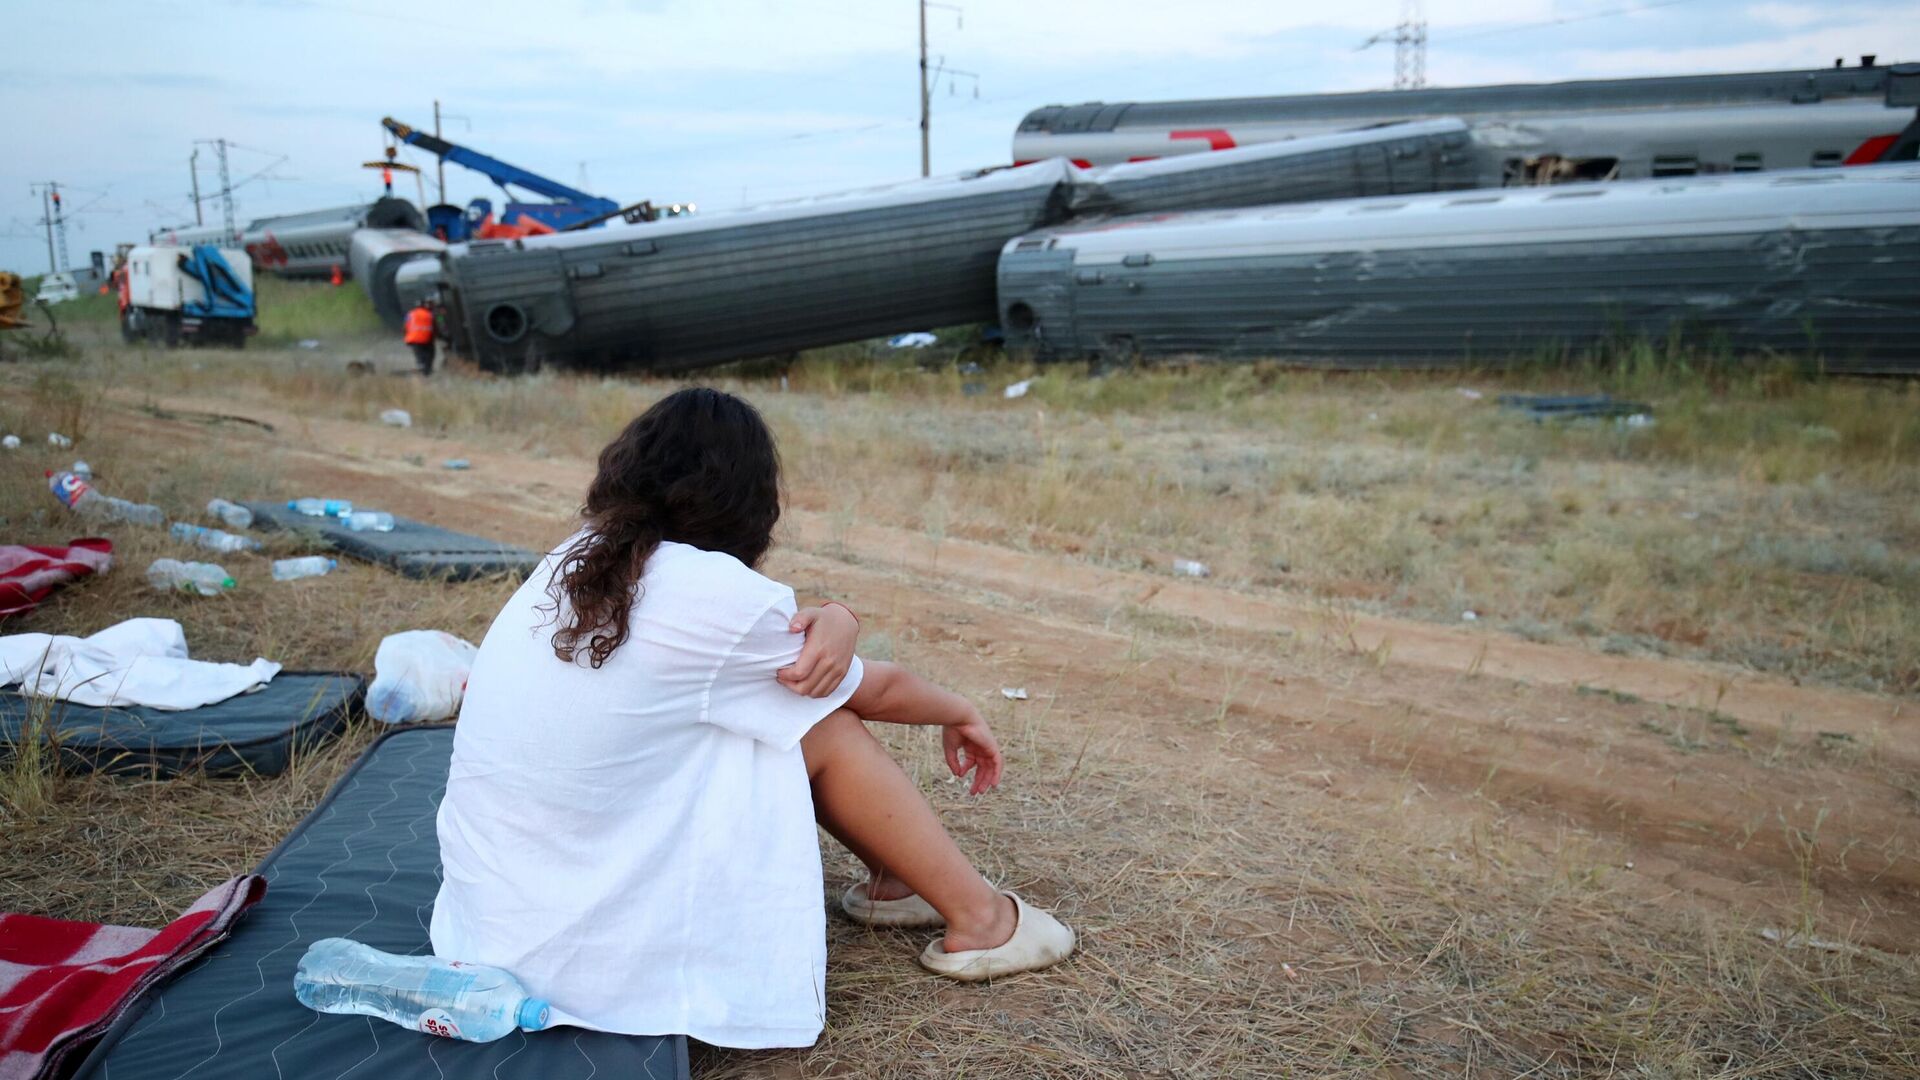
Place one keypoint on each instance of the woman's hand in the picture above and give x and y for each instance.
(970, 747)
(832, 632)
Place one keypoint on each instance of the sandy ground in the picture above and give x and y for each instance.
(1705, 781)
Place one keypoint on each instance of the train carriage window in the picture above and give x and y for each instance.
(1675, 165)
(1747, 162)
(1827, 159)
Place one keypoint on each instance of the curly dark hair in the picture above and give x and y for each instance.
(699, 467)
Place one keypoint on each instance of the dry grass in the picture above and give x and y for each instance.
(1260, 892)
(1766, 519)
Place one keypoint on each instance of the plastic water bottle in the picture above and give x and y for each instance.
(473, 1002)
(83, 470)
(11, 442)
(370, 521)
(233, 514)
(80, 496)
(172, 575)
(321, 507)
(212, 538)
(306, 566)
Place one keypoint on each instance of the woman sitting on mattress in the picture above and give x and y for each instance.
(651, 731)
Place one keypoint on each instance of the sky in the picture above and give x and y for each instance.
(733, 102)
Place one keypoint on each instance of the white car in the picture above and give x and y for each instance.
(56, 289)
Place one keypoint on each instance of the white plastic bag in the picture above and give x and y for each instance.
(419, 675)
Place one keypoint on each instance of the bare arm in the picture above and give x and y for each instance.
(891, 694)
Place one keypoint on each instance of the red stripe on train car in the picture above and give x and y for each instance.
(1217, 138)
(1869, 152)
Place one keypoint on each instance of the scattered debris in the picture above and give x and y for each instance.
(972, 389)
(457, 464)
(397, 418)
(1807, 941)
(54, 438)
(204, 579)
(1287, 970)
(1019, 389)
(11, 442)
(304, 567)
(419, 675)
(307, 343)
(1191, 568)
(212, 539)
(919, 339)
(1014, 693)
(1469, 393)
(1577, 407)
(1469, 616)
(232, 514)
(970, 368)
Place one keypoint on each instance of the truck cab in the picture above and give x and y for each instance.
(201, 295)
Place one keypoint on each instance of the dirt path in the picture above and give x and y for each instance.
(1715, 784)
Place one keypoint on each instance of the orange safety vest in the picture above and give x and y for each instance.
(420, 326)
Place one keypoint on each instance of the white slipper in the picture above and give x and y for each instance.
(908, 912)
(1039, 940)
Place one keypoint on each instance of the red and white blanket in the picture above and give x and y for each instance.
(28, 574)
(63, 983)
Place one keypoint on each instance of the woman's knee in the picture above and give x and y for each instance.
(840, 731)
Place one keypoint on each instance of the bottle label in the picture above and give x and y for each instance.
(68, 488)
(439, 1022)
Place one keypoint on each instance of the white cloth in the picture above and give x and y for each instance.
(136, 662)
(637, 842)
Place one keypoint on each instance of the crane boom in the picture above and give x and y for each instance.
(569, 205)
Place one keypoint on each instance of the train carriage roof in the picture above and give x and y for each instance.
(1785, 87)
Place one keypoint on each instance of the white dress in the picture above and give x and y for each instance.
(637, 842)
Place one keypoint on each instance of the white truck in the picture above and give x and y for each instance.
(201, 294)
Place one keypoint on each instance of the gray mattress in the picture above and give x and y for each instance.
(415, 549)
(253, 733)
(364, 865)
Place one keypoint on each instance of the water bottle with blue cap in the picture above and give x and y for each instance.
(472, 1002)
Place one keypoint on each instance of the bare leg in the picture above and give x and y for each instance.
(881, 885)
(863, 799)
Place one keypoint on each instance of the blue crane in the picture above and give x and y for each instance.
(569, 207)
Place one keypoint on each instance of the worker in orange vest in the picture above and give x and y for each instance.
(420, 335)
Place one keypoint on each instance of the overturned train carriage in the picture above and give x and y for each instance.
(377, 256)
(1816, 264)
(1392, 159)
(692, 291)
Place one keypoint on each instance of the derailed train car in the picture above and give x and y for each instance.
(1818, 264)
(687, 292)
(376, 257)
(305, 245)
(1391, 159)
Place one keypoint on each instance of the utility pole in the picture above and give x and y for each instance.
(53, 215)
(926, 86)
(439, 163)
(193, 169)
(1410, 46)
(1409, 37)
(46, 216)
(926, 105)
(226, 190)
